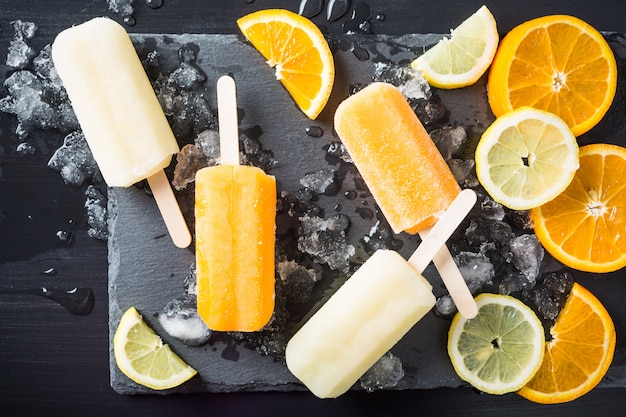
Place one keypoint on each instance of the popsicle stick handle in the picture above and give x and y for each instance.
(227, 120)
(453, 280)
(442, 230)
(170, 211)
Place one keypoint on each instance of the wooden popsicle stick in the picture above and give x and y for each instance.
(442, 230)
(453, 280)
(227, 120)
(170, 211)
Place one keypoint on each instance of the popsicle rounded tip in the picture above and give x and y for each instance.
(226, 81)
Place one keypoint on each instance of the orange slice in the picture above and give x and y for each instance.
(584, 226)
(296, 48)
(555, 63)
(579, 354)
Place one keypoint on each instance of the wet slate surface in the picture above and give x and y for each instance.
(146, 270)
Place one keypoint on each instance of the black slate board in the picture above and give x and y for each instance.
(146, 270)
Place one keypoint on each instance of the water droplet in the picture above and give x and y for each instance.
(336, 9)
(130, 20)
(365, 213)
(154, 4)
(79, 301)
(26, 148)
(314, 131)
(65, 236)
(360, 20)
(350, 194)
(360, 53)
(310, 8)
(380, 17)
(50, 272)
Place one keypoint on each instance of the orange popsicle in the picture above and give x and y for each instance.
(235, 227)
(401, 165)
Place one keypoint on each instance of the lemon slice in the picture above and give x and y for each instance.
(463, 58)
(526, 158)
(500, 349)
(141, 355)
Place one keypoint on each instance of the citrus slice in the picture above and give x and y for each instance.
(584, 226)
(556, 63)
(579, 354)
(463, 58)
(296, 48)
(500, 349)
(526, 158)
(141, 355)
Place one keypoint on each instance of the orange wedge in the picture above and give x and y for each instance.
(579, 354)
(584, 227)
(296, 48)
(555, 63)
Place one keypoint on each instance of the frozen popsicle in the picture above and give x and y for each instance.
(402, 167)
(119, 112)
(369, 313)
(235, 229)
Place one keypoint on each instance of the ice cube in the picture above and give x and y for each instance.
(491, 209)
(384, 374)
(325, 240)
(337, 152)
(187, 76)
(514, 281)
(189, 160)
(525, 253)
(482, 231)
(75, 161)
(548, 296)
(187, 111)
(208, 141)
(122, 7)
(180, 319)
(445, 307)
(297, 280)
(319, 181)
(189, 282)
(38, 104)
(476, 269)
(449, 140)
(429, 110)
(462, 171)
(96, 206)
(380, 237)
(20, 53)
(410, 82)
(253, 152)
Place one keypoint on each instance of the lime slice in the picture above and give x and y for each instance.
(463, 58)
(526, 158)
(500, 349)
(141, 355)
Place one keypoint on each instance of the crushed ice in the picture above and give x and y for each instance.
(384, 374)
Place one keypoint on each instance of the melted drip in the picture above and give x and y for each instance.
(78, 301)
(336, 9)
(310, 8)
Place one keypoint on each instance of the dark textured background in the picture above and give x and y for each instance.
(54, 363)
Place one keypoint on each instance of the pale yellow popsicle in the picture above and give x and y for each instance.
(369, 313)
(114, 102)
(118, 111)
